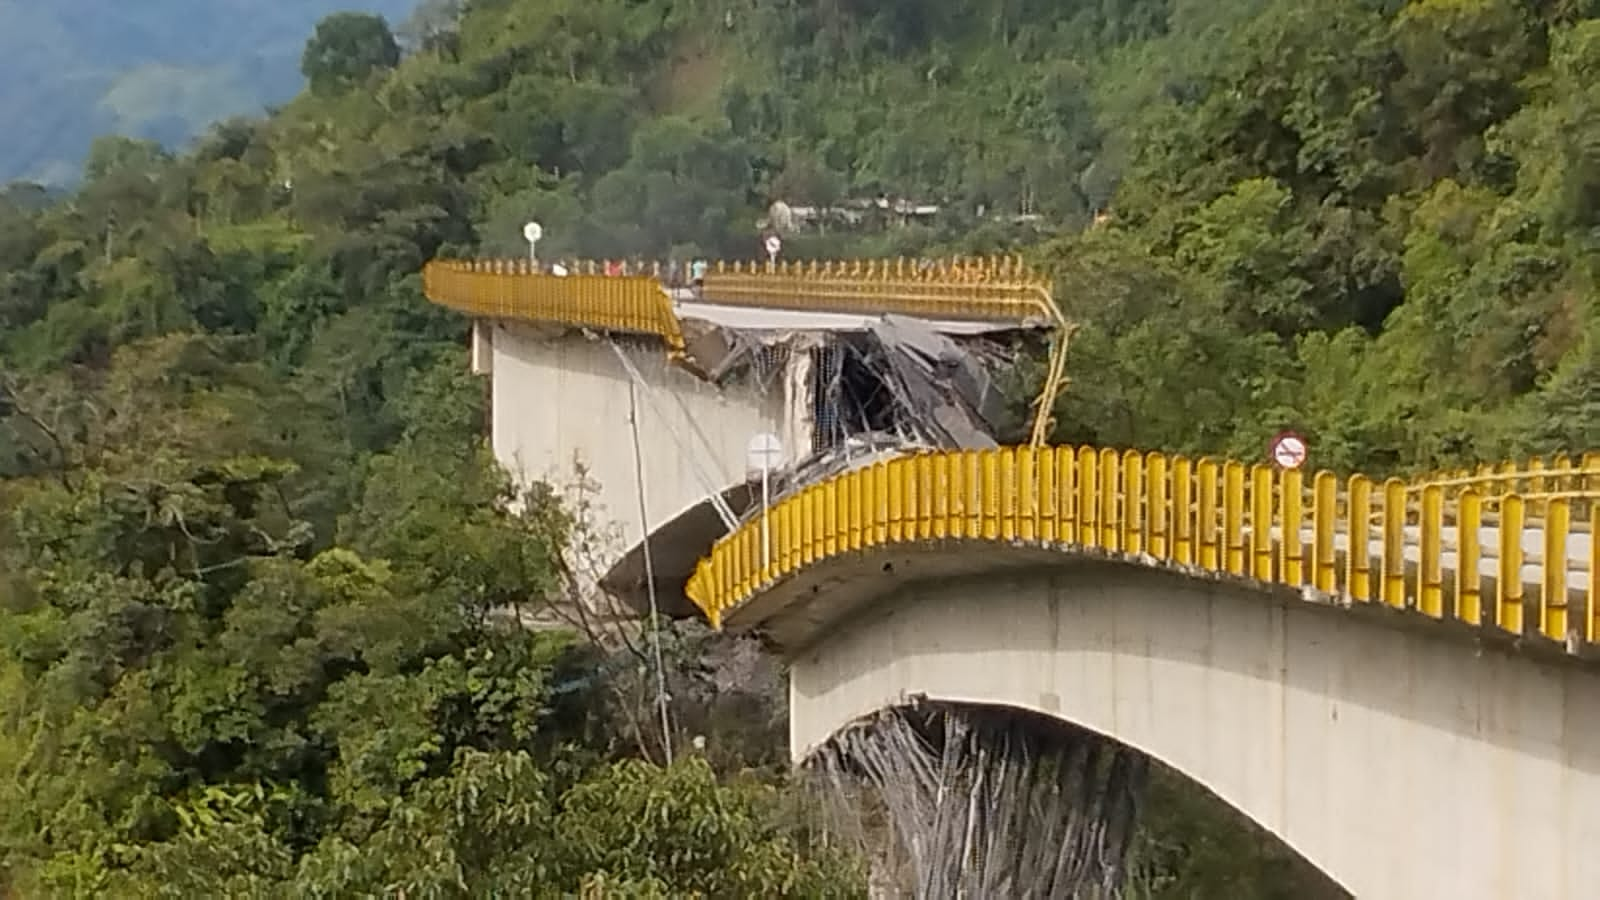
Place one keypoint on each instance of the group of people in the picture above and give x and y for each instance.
(672, 273)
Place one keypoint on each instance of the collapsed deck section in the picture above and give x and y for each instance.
(856, 397)
(829, 368)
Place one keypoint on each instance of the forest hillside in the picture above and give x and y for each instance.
(250, 549)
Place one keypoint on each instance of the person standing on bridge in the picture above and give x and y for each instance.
(697, 276)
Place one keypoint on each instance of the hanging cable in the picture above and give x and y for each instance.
(713, 490)
(650, 577)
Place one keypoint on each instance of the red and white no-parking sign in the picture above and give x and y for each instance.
(1288, 450)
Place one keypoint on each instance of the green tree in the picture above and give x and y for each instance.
(347, 48)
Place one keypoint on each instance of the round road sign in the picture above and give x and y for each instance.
(1289, 450)
(762, 454)
(532, 232)
(774, 244)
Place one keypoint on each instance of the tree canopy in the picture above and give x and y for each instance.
(347, 48)
(259, 584)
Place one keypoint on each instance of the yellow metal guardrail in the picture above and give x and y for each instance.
(988, 289)
(1559, 474)
(512, 289)
(1220, 517)
(633, 299)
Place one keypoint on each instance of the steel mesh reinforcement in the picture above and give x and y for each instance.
(975, 802)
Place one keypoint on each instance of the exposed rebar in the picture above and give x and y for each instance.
(985, 802)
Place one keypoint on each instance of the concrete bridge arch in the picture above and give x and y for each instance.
(1402, 761)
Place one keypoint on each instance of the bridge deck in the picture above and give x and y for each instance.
(751, 317)
(963, 296)
(1205, 517)
(1578, 553)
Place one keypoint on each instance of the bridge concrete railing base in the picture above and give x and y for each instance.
(1400, 763)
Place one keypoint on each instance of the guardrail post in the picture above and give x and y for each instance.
(1027, 511)
(1206, 515)
(1157, 508)
(855, 494)
(1553, 584)
(1134, 515)
(1233, 517)
(986, 500)
(1430, 579)
(1469, 554)
(1292, 542)
(1182, 511)
(1088, 498)
(1394, 543)
(896, 500)
(1067, 495)
(1509, 611)
(1324, 531)
(1261, 546)
(1592, 614)
(1049, 500)
(1111, 492)
(1008, 493)
(1358, 530)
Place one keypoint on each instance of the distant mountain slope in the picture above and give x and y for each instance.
(71, 70)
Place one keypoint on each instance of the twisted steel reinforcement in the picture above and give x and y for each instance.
(987, 802)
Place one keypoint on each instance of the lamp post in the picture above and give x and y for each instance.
(531, 233)
(762, 454)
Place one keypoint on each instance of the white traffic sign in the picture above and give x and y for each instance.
(1289, 450)
(773, 244)
(762, 454)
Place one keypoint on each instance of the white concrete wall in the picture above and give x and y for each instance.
(1402, 764)
(561, 404)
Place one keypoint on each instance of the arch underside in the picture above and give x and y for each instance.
(675, 549)
(983, 802)
(1403, 762)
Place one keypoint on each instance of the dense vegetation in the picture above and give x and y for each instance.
(250, 552)
(158, 69)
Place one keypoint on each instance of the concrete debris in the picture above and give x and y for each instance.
(946, 387)
(851, 397)
(898, 375)
(898, 386)
(714, 350)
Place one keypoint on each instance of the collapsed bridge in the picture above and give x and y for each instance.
(843, 364)
(1391, 677)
